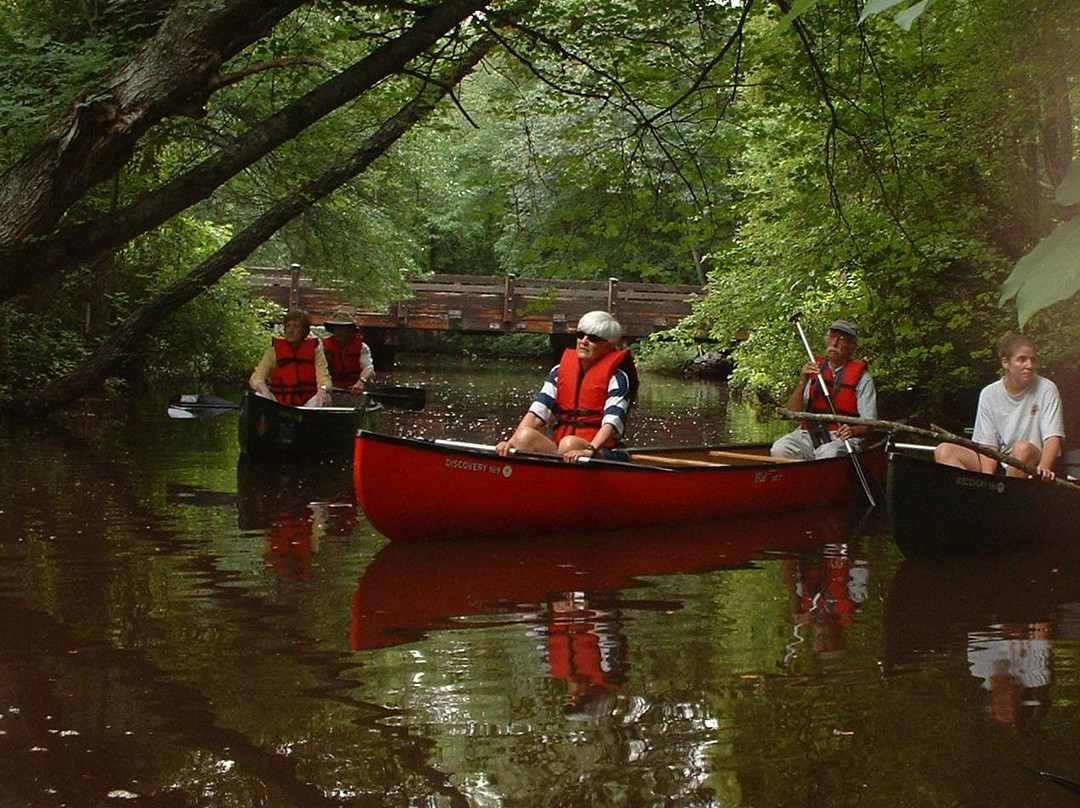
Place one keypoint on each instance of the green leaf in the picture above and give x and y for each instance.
(877, 6)
(1047, 274)
(907, 17)
(798, 8)
(1068, 192)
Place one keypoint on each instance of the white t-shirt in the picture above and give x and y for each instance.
(1003, 419)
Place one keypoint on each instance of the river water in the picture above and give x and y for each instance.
(181, 630)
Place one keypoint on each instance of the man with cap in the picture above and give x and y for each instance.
(852, 392)
(347, 354)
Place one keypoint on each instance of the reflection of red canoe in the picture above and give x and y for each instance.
(416, 490)
(410, 588)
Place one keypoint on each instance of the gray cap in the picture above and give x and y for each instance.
(845, 327)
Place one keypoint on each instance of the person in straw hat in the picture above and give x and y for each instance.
(347, 354)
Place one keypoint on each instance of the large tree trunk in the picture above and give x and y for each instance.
(177, 66)
(112, 356)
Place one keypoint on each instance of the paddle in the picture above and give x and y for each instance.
(188, 405)
(407, 398)
(859, 470)
(191, 405)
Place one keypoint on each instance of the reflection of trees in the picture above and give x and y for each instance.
(141, 654)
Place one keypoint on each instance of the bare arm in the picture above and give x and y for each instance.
(798, 395)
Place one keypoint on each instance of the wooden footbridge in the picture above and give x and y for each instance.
(473, 304)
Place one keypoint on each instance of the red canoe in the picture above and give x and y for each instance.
(418, 490)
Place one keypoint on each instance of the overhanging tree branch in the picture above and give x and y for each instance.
(112, 356)
(178, 63)
(26, 263)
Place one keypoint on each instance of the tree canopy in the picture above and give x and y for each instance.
(890, 162)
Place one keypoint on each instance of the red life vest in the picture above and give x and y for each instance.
(344, 362)
(580, 399)
(293, 381)
(842, 390)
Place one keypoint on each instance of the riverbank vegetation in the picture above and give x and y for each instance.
(885, 162)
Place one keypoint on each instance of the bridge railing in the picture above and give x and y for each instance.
(489, 304)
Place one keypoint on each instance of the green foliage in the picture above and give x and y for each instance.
(56, 54)
(817, 161)
(665, 356)
(865, 197)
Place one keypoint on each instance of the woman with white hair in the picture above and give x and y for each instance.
(585, 398)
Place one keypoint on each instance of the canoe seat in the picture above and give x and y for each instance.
(661, 460)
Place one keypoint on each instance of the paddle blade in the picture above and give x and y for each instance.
(198, 406)
(406, 398)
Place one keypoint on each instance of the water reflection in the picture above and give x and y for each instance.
(159, 648)
(572, 576)
(1015, 664)
(295, 507)
(828, 588)
(1003, 614)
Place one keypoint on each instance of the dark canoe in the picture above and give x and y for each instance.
(271, 431)
(420, 490)
(939, 510)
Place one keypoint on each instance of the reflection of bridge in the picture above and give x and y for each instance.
(473, 304)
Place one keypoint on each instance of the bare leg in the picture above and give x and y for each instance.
(1026, 453)
(532, 440)
(572, 442)
(950, 454)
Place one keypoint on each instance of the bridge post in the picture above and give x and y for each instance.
(294, 286)
(508, 301)
(613, 297)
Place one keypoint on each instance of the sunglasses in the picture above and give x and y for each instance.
(590, 337)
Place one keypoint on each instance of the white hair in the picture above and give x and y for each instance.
(602, 324)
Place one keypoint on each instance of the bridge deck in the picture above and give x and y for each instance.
(492, 305)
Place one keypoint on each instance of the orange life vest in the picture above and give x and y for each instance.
(842, 390)
(580, 398)
(293, 381)
(344, 362)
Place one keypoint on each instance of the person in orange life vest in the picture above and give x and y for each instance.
(851, 389)
(585, 398)
(293, 370)
(347, 354)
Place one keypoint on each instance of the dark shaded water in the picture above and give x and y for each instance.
(177, 629)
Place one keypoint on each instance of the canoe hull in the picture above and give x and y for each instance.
(271, 431)
(941, 510)
(414, 490)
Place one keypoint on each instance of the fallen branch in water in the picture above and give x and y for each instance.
(935, 432)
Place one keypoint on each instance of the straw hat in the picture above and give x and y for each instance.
(342, 315)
